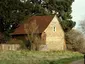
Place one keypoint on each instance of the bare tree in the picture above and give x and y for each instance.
(82, 26)
(33, 35)
(75, 41)
(82, 29)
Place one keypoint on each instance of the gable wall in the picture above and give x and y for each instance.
(55, 36)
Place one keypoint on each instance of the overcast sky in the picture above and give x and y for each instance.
(78, 8)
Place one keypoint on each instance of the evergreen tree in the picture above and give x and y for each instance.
(64, 9)
(12, 12)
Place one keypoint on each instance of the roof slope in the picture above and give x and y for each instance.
(41, 21)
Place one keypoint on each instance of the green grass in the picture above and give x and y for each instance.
(38, 57)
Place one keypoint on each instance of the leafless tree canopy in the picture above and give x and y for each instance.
(33, 35)
(75, 41)
(82, 26)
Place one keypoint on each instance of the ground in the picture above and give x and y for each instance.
(78, 62)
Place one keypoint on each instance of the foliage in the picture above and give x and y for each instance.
(2, 38)
(75, 40)
(37, 57)
(64, 9)
(67, 25)
(11, 14)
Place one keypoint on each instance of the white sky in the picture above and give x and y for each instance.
(78, 12)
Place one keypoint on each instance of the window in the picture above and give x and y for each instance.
(54, 29)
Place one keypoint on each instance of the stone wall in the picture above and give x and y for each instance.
(9, 46)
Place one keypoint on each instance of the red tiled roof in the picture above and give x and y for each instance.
(41, 21)
(19, 30)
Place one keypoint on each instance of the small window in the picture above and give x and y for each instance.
(54, 29)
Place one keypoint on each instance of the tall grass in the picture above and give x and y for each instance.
(36, 57)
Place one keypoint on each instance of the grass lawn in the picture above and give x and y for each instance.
(38, 57)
